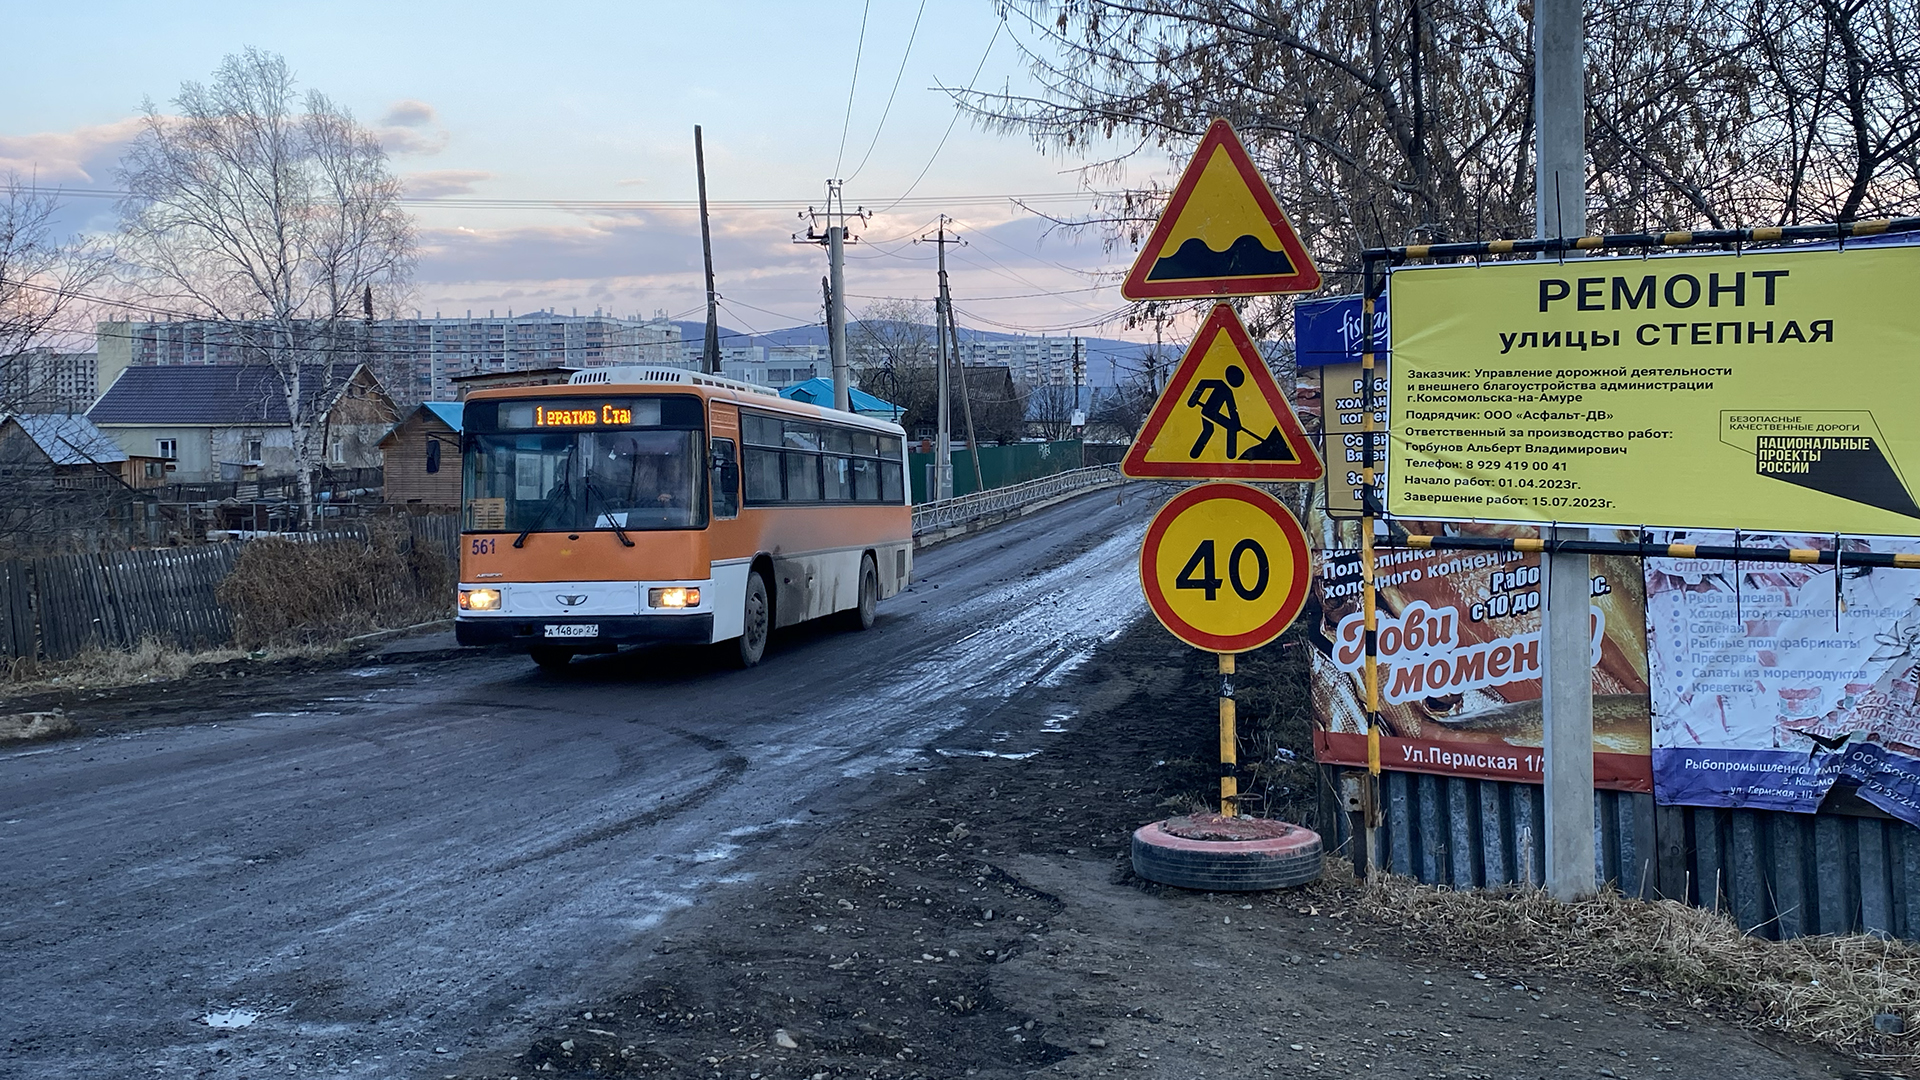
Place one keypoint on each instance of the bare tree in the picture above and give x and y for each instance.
(1372, 121)
(1389, 123)
(43, 292)
(257, 205)
(894, 349)
(1050, 410)
(1840, 105)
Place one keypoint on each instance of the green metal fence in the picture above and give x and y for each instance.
(1000, 466)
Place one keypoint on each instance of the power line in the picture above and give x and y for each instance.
(362, 338)
(911, 35)
(1007, 296)
(905, 237)
(917, 201)
(950, 124)
(1110, 317)
(893, 255)
(852, 84)
(776, 314)
(982, 232)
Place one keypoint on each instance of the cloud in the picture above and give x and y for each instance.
(648, 259)
(85, 155)
(438, 182)
(404, 140)
(409, 128)
(408, 113)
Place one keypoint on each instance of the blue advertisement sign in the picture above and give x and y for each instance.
(1327, 330)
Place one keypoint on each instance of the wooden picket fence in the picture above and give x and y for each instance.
(56, 607)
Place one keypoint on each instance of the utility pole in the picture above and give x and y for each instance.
(835, 238)
(710, 353)
(1560, 210)
(944, 307)
(942, 487)
(1079, 373)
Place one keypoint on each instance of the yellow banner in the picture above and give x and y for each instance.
(1767, 392)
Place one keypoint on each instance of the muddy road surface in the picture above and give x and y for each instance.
(897, 855)
(382, 870)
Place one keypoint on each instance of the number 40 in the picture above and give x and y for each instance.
(1208, 580)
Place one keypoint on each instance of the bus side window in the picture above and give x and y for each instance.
(726, 480)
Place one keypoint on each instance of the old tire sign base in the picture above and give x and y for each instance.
(1225, 567)
(1226, 854)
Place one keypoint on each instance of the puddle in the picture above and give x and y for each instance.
(944, 752)
(230, 1018)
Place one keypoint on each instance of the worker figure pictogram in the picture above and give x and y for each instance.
(1222, 415)
(1214, 399)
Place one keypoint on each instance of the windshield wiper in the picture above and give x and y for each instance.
(592, 494)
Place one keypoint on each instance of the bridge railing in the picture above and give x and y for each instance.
(962, 509)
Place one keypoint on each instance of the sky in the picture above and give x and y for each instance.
(564, 102)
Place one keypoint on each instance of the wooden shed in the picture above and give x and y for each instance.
(422, 457)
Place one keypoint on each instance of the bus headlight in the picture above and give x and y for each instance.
(479, 599)
(673, 597)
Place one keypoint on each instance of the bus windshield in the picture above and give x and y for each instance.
(634, 479)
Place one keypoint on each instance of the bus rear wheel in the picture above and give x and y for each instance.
(757, 622)
(860, 616)
(551, 659)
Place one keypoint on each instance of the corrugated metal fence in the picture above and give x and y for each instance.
(1780, 875)
(56, 607)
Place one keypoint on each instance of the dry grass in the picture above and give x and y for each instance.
(1825, 989)
(299, 593)
(105, 669)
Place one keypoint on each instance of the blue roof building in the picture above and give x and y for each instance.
(819, 391)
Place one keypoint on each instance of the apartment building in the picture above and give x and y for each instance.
(778, 366)
(418, 358)
(1034, 361)
(46, 381)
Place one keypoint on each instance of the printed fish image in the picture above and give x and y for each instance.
(1620, 723)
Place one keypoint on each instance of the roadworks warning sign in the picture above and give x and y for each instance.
(1766, 391)
(1222, 233)
(1221, 416)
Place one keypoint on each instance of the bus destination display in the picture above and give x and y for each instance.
(574, 413)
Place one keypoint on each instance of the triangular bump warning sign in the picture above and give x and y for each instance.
(1222, 417)
(1222, 233)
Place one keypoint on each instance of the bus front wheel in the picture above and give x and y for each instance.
(757, 623)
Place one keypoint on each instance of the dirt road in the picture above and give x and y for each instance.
(378, 870)
(979, 919)
(891, 854)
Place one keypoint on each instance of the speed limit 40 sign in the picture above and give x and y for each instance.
(1225, 567)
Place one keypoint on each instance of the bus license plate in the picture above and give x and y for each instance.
(573, 629)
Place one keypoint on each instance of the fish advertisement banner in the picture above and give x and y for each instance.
(1772, 683)
(1459, 662)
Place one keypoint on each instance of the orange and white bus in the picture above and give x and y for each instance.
(653, 504)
